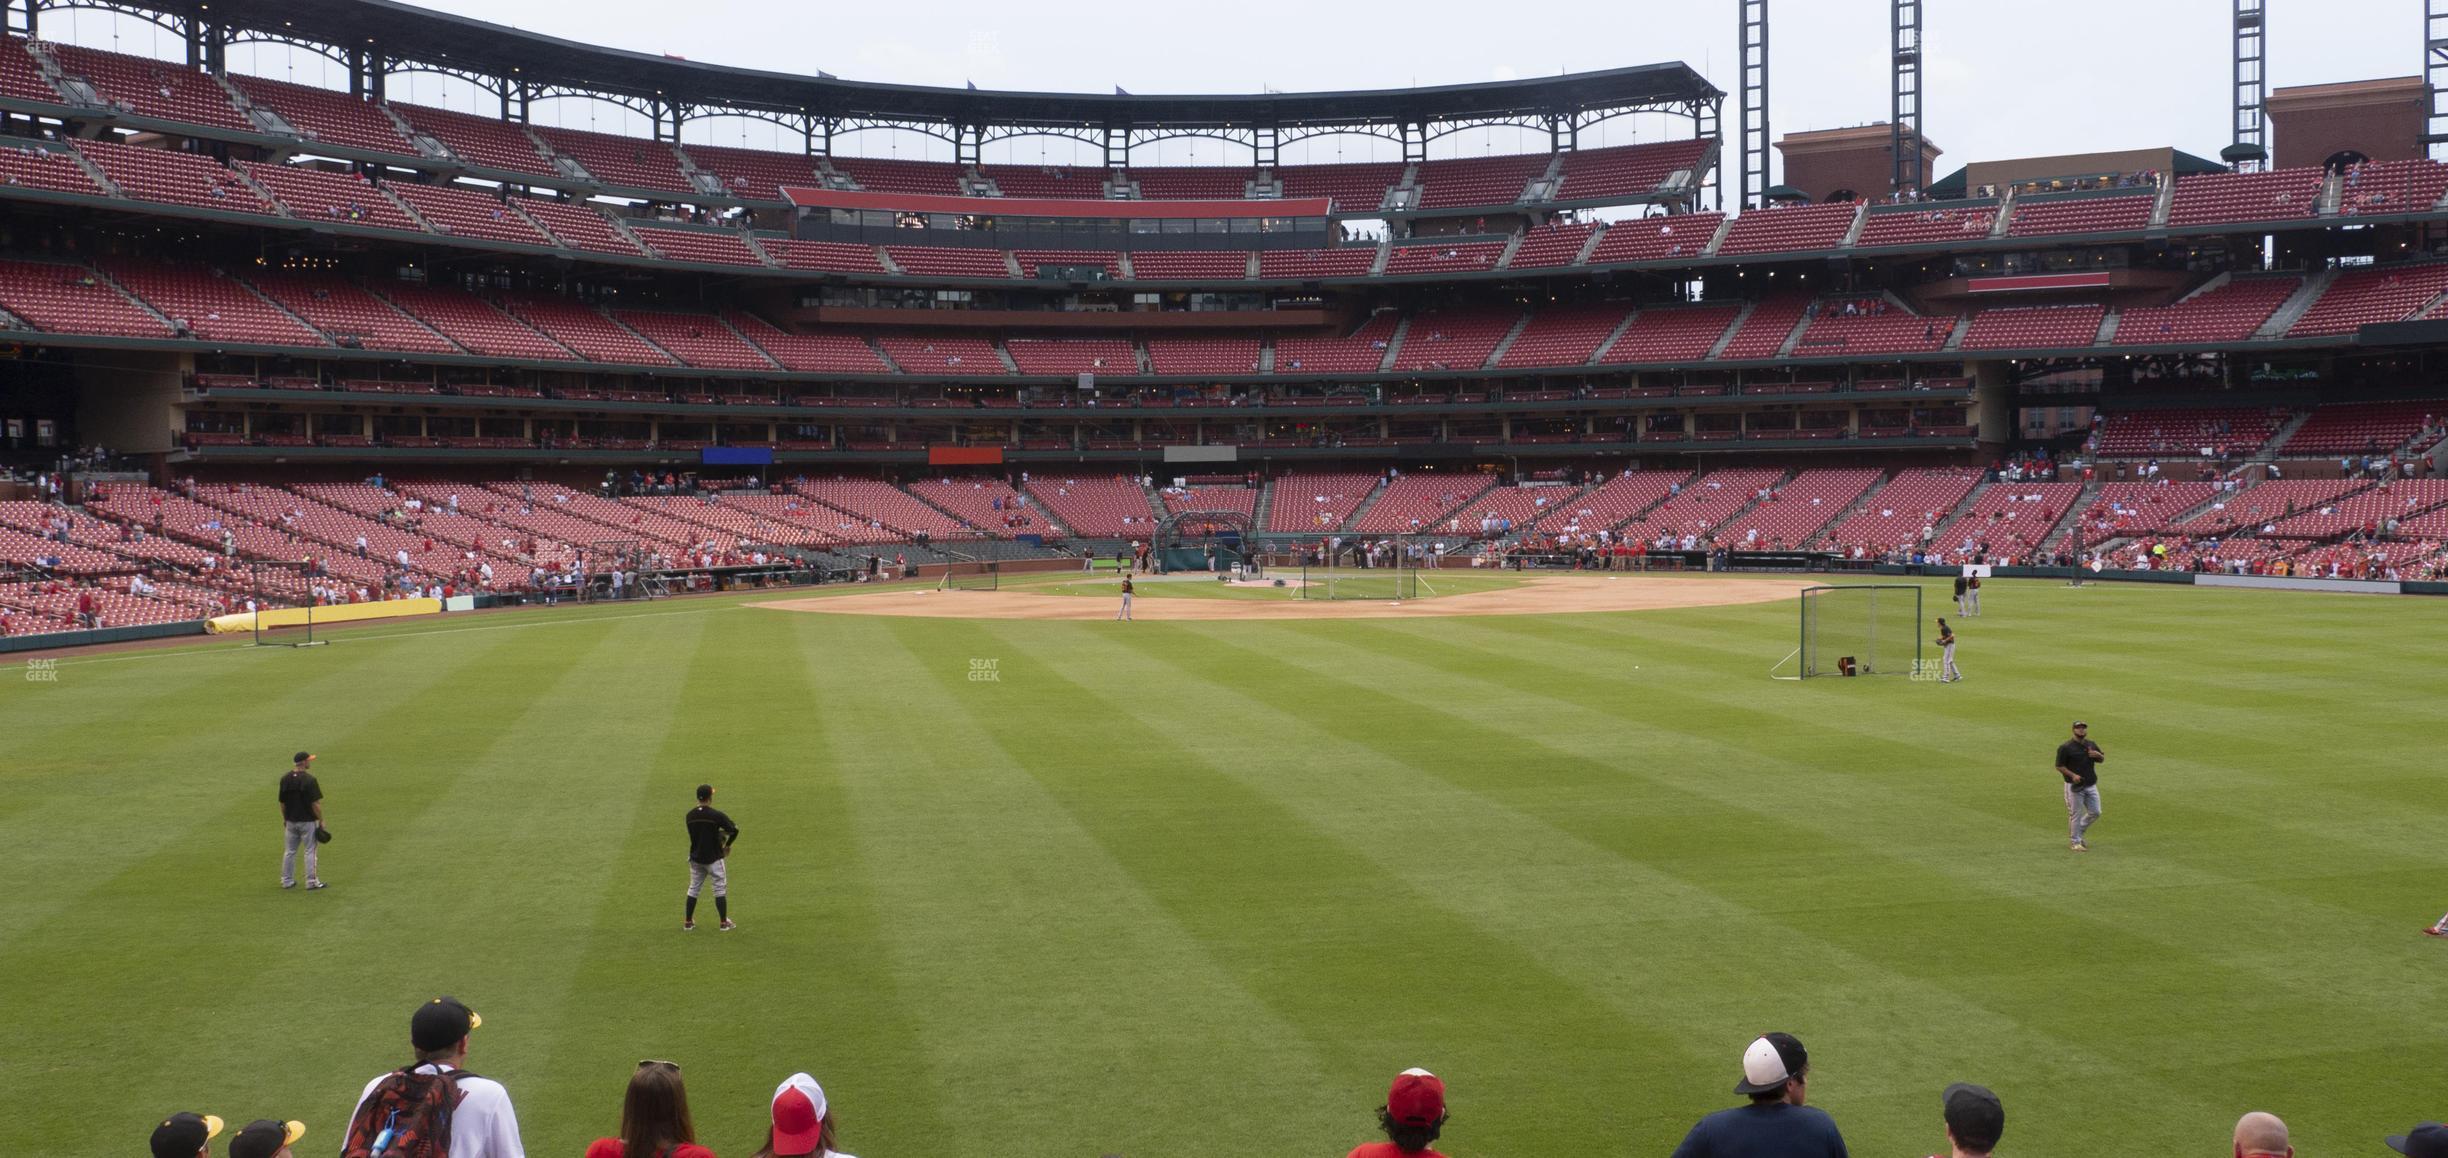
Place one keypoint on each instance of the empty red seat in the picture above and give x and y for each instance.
(489, 142)
(1665, 238)
(326, 117)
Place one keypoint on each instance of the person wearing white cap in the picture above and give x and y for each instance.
(1776, 1073)
(802, 1122)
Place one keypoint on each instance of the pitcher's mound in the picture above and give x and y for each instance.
(1538, 595)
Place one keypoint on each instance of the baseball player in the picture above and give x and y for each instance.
(1972, 595)
(1947, 671)
(2078, 761)
(710, 836)
(1124, 615)
(301, 805)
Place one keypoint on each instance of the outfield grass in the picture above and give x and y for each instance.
(1202, 888)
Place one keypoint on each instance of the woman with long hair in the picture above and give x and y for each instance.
(801, 1125)
(655, 1120)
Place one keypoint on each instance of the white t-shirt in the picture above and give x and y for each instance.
(483, 1126)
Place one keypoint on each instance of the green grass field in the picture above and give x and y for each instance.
(1202, 888)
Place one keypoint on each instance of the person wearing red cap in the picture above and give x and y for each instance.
(654, 1117)
(802, 1123)
(1413, 1115)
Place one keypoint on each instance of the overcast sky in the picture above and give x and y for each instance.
(2001, 80)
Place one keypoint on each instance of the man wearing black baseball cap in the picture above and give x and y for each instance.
(1975, 1120)
(266, 1138)
(301, 805)
(2078, 761)
(2429, 1140)
(482, 1125)
(185, 1135)
(1776, 1072)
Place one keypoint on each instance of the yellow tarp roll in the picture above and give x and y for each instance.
(337, 613)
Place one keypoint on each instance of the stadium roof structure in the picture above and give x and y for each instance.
(385, 33)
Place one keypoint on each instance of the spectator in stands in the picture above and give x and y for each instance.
(482, 1125)
(654, 1117)
(801, 1122)
(1412, 1117)
(185, 1135)
(266, 1138)
(1975, 1119)
(1776, 1070)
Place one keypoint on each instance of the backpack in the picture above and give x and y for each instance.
(407, 1116)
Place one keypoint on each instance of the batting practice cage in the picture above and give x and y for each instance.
(1873, 629)
(983, 575)
(1207, 541)
(1386, 567)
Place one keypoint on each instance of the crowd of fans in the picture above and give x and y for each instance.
(434, 1105)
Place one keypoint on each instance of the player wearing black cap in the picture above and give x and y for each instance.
(301, 805)
(710, 836)
(2078, 761)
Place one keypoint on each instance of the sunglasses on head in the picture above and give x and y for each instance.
(673, 1066)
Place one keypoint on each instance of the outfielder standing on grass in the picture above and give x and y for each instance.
(2078, 761)
(1124, 614)
(1947, 671)
(710, 836)
(301, 805)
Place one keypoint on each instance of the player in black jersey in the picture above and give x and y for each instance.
(710, 836)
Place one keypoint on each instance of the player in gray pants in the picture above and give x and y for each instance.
(301, 804)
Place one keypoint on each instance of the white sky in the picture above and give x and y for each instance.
(2001, 79)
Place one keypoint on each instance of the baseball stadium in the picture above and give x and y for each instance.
(1462, 618)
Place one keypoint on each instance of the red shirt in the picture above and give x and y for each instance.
(1364, 1150)
(615, 1148)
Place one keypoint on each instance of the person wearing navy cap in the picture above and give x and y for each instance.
(1777, 1123)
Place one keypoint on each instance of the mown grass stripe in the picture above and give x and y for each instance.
(1054, 998)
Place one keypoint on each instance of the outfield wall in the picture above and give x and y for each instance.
(336, 613)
